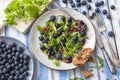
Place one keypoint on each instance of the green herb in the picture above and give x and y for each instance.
(101, 62)
(77, 78)
(24, 10)
(57, 63)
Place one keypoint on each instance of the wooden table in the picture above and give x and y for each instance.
(44, 73)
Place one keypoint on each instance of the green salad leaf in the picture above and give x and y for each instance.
(57, 63)
(76, 78)
(101, 62)
(23, 9)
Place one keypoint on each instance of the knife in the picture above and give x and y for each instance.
(101, 45)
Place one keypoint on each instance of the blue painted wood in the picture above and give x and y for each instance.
(63, 75)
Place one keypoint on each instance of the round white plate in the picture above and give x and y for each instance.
(34, 40)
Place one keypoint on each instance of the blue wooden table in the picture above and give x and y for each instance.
(44, 73)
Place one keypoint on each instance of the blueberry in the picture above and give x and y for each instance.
(112, 7)
(57, 25)
(17, 54)
(13, 45)
(63, 18)
(73, 5)
(25, 68)
(88, 7)
(97, 4)
(47, 37)
(20, 49)
(20, 65)
(83, 33)
(84, 2)
(61, 30)
(101, 2)
(77, 1)
(50, 48)
(21, 77)
(108, 16)
(16, 78)
(52, 18)
(93, 14)
(1, 42)
(58, 56)
(55, 48)
(91, 17)
(14, 49)
(8, 47)
(12, 65)
(21, 56)
(42, 32)
(2, 77)
(110, 33)
(71, 1)
(97, 10)
(55, 35)
(11, 78)
(104, 11)
(84, 12)
(70, 19)
(68, 59)
(25, 73)
(3, 45)
(41, 38)
(64, 1)
(26, 57)
(63, 39)
(89, 0)
(78, 4)
(12, 72)
(73, 42)
(75, 38)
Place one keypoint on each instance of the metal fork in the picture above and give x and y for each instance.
(102, 29)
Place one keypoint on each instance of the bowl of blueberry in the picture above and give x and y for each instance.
(55, 38)
(15, 60)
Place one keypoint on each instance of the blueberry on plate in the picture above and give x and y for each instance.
(77, 1)
(50, 48)
(88, 7)
(57, 25)
(8, 47)
(84, 12)
(75, 38)
(112, 7)
(91, 17)
(101, 2)
(71, 1)
(97, 4)
(104, 11)
(47, 37)
(73, 5)
(1, 42)
(64, 1)
(97, 10)
(52, 18)
(89, 0)
(20, 49)
(63, 39)
(110, 33)
(55, 35)
(68, 59)
(42, 32)
(78, 4)
(55, 48)
(26, 57)
(84, 2)
(41, 38)
(93, 14)
(108, 16)
(83, 33)
(58, 56)
(74, 42)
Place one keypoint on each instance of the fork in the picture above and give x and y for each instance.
(102, 29)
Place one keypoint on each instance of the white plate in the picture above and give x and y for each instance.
(34, 41)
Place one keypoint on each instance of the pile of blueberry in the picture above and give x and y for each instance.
(13, 62)
(79, 3)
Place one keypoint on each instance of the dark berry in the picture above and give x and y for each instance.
(1, 42)
(70, 19)
(82, 41)
(57, 25)
(104, 11)
(77, 0)
(101, 2)
(75, 38)
(58, 56)
(112, 7)
(84, 2)
(89, 0)
(50, 48)
(68, 59)
(93, 14)
(20, 49)
(83, 33)
(41, 38)
(97, 4)
(91, 17)
(42, 32)
(78, 4)
(8, 47)
(71, 1)
(55, 35)
(25, 73)
(64, 1)
(42, 47)
(97, 10)
(52, 18)
(55, 48)
(63, 39)
(73, 5)
(84, 12)
(47, 37)
(110, 33)
(108, 16)
(73, 42)
(88, 7)
(13, 45)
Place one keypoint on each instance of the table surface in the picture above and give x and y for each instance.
(44, 73)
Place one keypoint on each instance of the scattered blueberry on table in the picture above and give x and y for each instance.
(104, 11)
(111, 34)
(108, 16)
(84, 12)
(112, 7)
(14, 63)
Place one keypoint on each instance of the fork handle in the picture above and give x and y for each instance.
(110, 64)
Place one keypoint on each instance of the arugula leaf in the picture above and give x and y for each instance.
(57, 63)
(76, 78)
(40, 28)
(101, 62)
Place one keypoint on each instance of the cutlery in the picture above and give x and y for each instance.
(102, 29)
(111, 66)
